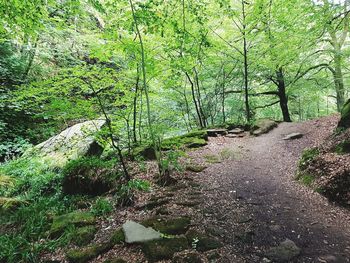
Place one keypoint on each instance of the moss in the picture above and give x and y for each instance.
(164, 249)
(117, 237)
(306, 179)
(89, 176)
(211, 158)
(345, 116)
(343, 147)
(193, 139)
(263, 126)
(202, 242)
(76, 218)
(84, 235)
(173, 226)
(227, 154)
(307, 157)
(196, 168)
(85, 254)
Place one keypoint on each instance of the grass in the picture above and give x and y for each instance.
(212, 158)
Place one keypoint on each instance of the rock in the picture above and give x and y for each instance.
(293, 136)
(344, 122)
(137, 233)
(329, 259)
(246, 236)
(76, 218)
(236, 131)
(216, 132)
(172, 226)
(157, 250)
(196, 168)
(74, 142)
(188, 257)
(192, 139)
(285, 252)
(84, 235)
(202, 242)
(89, 176)
(83, 255)
(263, 126)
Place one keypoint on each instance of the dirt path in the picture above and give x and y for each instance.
(253, 203)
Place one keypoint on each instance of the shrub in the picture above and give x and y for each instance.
(307, 157)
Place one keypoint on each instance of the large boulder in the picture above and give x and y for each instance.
(345, 116)
(263, 126)
(72, 143)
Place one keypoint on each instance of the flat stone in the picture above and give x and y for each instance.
(236, 131)
(293, 136)
(284, 252)
(137, 233)
(216, 132)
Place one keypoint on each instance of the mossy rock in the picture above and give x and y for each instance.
(345, 116)
(83, 255)
(343, 147)
(172, 226)
(202, 242)
(307, 157)
(262, 126)
(84, 235)
(89, 176)
(193, 139)
(196, 168)
(76, 218)
(164, 249)
(117, 237)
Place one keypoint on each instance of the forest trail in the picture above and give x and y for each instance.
(254, 203)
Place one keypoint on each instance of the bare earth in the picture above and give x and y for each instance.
(253, 202)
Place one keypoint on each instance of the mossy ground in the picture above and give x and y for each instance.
(307, 157)
(85, 254)
(172, 226)
(84, 235)
(164, 248)
(202, 242)
(76, 218)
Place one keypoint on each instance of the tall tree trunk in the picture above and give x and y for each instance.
(135, 105)
(195, 101)
(223, 96)
(338, 80)
(282, 95)
(245, 55)
(199, 97)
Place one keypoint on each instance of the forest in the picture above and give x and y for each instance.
(135, 88)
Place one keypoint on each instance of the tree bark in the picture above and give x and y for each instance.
(282, 95)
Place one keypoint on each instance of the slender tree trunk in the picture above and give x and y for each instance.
(135, 106)
(223, 97)
(282, 95)
(145, 88)
(339, 80)
(195, 101)
(245, 55)
(204, 119)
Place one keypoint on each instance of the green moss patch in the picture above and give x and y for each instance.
(76, 218)
(202, 242)
(343, 147)
(84, 235)
(115, 260)
(307, 157)
(193, 139)
(306, 179)
(172, 226)
(117, 237)
(164, 249)
(211, 158)
(196, 168)
(83, 255)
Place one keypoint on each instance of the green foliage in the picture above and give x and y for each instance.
(126, 191)
(306, 179)
(102, 207)
(307, 157)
